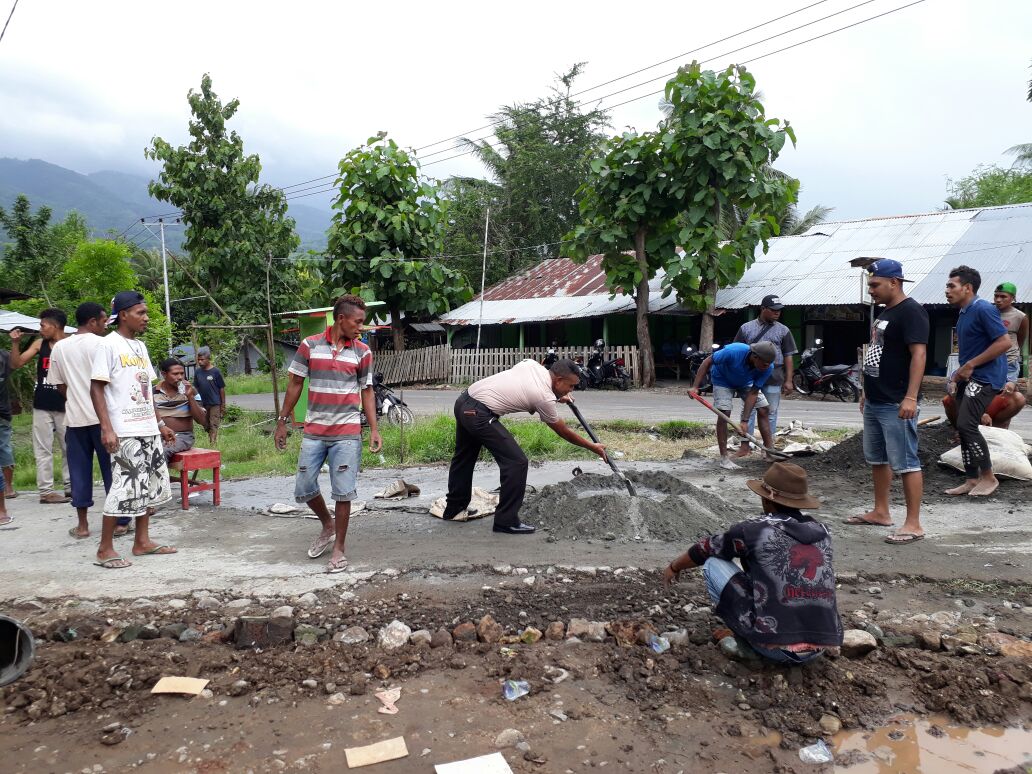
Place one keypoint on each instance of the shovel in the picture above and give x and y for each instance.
(772, 452)
(609, 459)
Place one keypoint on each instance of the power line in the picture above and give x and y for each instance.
(8, 20)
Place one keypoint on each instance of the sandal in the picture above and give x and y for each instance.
(319, 546)
(74, 532)
(114, 563)
(5, 519)
(860, 521)
(902, 538)
(340, 565)
(158, 551)
(123, 530)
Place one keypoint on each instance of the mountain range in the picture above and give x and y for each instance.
(110, 201)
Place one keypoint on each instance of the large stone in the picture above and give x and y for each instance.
(190, 635)
(172, 631)
(176, 604)
(1010, 646)
(261, 632)
(530, 635)
(677, 638)
(143, 604)
(510, 737)
(624, 632)
(929, 640)
(830, 724)
(393, 636)
(208, 603)
(489, 630)
(353, 635)
(586, 631)
(555, 631)
(283, 612)
(465, 632)
(857, 643)
(308, 635)
(308, 600)
(239, 604)
(441, 639)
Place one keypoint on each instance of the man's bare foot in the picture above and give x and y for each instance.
(744, 450)
(963, 489)
(727, 464)
(984, 487)
(872, 518)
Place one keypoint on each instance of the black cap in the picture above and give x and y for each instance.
(125, 299)
(771, 302)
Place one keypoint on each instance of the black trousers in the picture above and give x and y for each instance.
(477, 427)
(973, 398)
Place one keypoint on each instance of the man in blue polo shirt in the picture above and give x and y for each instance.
(743, 369)
(983, 342)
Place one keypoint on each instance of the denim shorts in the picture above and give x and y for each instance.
(1012, 370)
(343, 455)
(722, 397)
(6, 450)
(889, 440)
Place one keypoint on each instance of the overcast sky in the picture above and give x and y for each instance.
(885, 112)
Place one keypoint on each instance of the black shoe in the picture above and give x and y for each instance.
(518, 529)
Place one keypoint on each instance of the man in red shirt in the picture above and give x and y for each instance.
(339, 370)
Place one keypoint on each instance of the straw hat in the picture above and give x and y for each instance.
(785, 484)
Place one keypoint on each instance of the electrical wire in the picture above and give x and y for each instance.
(4, 30)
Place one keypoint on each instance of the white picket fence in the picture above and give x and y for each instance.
(464, 366)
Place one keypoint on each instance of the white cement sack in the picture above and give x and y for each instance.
(482, 504)
(1006, 449)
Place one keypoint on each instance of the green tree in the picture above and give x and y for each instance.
(147, 265)
(27, 257)
(989, 186)
(234, 225)
(96, 271)
(650, 194)
(387, 226)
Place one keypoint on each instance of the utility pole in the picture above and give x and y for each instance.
(483, 279)
(164, 271)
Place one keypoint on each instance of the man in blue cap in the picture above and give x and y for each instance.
(892, 371)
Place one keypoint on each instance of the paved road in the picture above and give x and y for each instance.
(655, 406)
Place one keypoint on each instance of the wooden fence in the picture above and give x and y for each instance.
(464, 366)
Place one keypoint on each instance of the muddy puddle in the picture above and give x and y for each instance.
(932, 746)
(597, 506)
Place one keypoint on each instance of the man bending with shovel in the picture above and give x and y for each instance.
(743, 369)
(527, 386)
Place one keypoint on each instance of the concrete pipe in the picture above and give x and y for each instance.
(17, 650)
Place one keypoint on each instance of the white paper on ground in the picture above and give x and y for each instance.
(485, 764)
(387, 750)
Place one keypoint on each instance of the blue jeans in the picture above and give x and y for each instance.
(773, 395)
(1012, 370)
(717, 573)
(889, 440)
(343, 455)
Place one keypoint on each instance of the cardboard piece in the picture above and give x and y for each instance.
(188, 685)
(485, 764)
(387, 750)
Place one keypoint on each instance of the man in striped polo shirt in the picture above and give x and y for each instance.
(339, 370)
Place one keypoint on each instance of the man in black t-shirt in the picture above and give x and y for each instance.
(48, 409)
(892, 370)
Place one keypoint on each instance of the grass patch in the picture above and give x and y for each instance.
(253, 384)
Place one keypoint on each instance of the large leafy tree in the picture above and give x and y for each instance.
(536, 158)
(236, 227)
(989, 186)
(37, 250)
(386, 232)
(659, 199)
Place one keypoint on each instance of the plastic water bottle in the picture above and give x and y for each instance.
(513, 689)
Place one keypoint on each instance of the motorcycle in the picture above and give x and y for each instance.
(582, 372)
(694, 360)
(603, 372)
(390, 405)
(550, 357)
(811, 378)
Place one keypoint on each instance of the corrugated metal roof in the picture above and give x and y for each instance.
(807, 270)
(11, 320)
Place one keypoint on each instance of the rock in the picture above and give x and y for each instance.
(119, 679)
(208, 603)
(441, 639)
(465, 632)
(381, 672)
(260, 632)
(239, 688)
(149, 632)
(586, 631)
(846, 578)
(945, 618)
(555, 631)
(310, 683)
(676, 638)
(624, 632)
(393, 636)
(239, 604)
(503, 569)
(739, 651)
(529, 580)
(830, 724)
(190, 635)
(489, 630)
(899, 641)
(875, 631)
(510, 737)
(1011, 647)
(308, 600)
(874, 590)
(960, 639)
(172, 631)
(130, 633)
(308, 635)
(358, 685)
(857, 643)
(283, 612)
(353, 635)
(336, 699)
(929, 640)
(530, 635)
(176, 604)
(116, 737)
(143, 604)
(420, 637)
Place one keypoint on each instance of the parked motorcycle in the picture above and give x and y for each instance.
(582, 372)
(694, 360)
(811, 378)
(390, 405)
(603, 372)
(550, 357)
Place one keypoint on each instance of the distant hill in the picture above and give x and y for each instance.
(111, 200)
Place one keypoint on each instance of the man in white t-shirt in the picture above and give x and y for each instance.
(527, 386)
(123, 397)
(71, 363)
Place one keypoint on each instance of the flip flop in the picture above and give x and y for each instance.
(114, 563)
(4, 521)
(74, 532)
(860, 521)
(158, 551)
(122, 531)
(338, 566)
(319, 546)
(902, 538)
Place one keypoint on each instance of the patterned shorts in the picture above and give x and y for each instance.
(139, 477)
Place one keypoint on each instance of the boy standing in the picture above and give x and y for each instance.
(212, 389)
(1016, 323)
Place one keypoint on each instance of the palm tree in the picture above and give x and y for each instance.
(147, 265)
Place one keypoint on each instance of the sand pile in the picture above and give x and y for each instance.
(598, 507)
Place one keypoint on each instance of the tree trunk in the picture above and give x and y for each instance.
(397, 329)
(706, 330)
(646, 360)
(247, 355)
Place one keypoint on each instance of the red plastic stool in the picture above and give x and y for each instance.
(198, 459)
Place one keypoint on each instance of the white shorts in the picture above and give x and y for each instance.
(722, 397)
(139, 477)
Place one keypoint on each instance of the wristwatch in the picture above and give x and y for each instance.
(283, 419)
(161, 424)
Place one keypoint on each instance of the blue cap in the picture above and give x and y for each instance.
(888, 268)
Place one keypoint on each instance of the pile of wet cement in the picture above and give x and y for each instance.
(598, 507)
(843, 468)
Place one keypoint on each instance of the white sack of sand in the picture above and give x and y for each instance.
(1007, 450)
